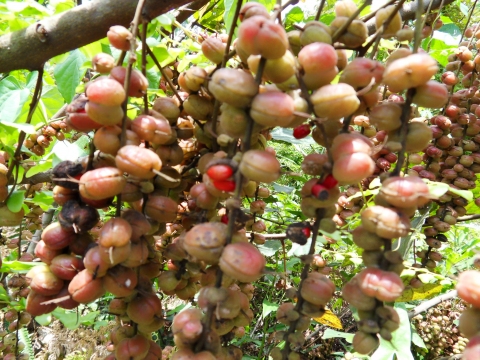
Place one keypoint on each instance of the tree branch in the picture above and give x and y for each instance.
(431, 303)
(468, 217)
(29, 48)
(408, 11)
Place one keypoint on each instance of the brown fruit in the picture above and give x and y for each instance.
(234, 87)
(84, 288)
(138, 162)
(102, 183)
(242, 261)
(115, 232)
(206, 241)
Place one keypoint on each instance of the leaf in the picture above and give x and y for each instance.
(15, 201)
(268, 307)
(286, 135)
(43, 166)
(270, 247)
(64, 150)
(427, 291)
(68, 74)
(26, 128)
(401, 341)
(230, 6)
(44, 199)
(13, 97)
(299, 250)
(330, 319)
(17, 266)
(437, 189)
(331, 334)
(73, 320)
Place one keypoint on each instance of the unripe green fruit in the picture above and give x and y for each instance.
(234, 87)
(335, 101)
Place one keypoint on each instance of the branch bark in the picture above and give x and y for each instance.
(431, 303)
(408, 11)
(31, 47)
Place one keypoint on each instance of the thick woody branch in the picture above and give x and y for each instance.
(432, 302)
(31, 47)
(408, 11)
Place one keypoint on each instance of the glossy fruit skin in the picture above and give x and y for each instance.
(301, 131)
(225, 185)
(219, 172)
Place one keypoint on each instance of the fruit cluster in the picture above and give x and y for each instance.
(10, 345)
(438, 330)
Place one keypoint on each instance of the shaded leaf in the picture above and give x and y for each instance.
(15, 201)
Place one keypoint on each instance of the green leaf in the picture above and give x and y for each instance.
(17, 266)
(331, 334)
(68, 74)
(270, 247)
(26, 128)
(286, 135)
(45, 319)
(72, 320)
(15, 201)
(438, 189)
(401, 340)
(294, 16)
(64, 150)
(230, 6)
(44, 199)
(43, 166)
(13, 96)
(268, 307)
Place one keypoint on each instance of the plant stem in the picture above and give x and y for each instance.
(305, 270)
(131, 60)
(37, 93)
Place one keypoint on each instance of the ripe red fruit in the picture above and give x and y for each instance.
(306, 231)
(301, 131)
(320, 191)
(225, 185)
(329, 181)
(220, 172)
(224, 219)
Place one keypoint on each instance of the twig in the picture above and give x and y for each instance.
(431, 303)
(320, 9)
(37, 93)
(403, 131)
(126, 85)
(47, 218)
(344, 27)
(316, 227)
(164, 74)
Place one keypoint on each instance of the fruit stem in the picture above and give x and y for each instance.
(164, 75)
(316, 228)
(37, 93)
(126, 85)
(403, 131)
(319, 11)
(144, 62)
(363, 50)
(419, 22)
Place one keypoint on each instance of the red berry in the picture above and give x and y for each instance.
(225, 185)
(301, 131)
(306, 232)
(329, 181)
(224, 219)
(320, 191)
(220, 172)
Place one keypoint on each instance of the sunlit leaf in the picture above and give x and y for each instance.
(15, 201)
(330, 319)
(427, 291)
(331, 334)
(68, 74)
(268, 307)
